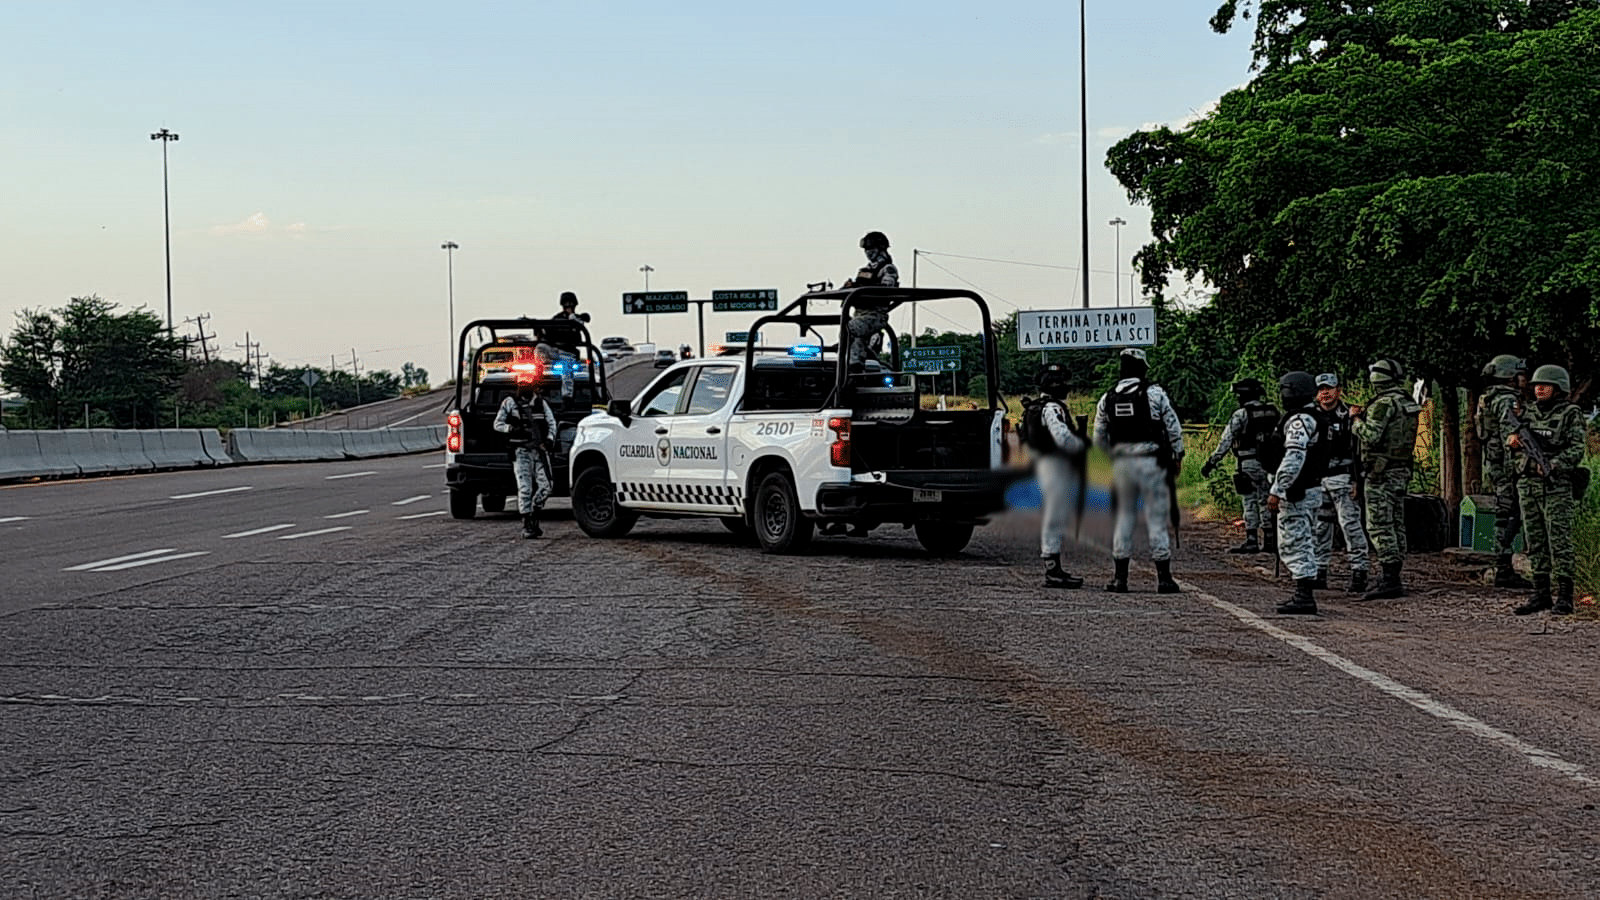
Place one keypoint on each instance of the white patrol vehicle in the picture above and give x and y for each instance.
(783, 439)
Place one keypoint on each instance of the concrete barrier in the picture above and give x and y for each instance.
(56, 453)
(211, 442)
(184, 447)
(21, 458)
(360, 444)
(111, 450)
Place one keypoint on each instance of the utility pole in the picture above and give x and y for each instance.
(355, 369)
(251, 370)
(166, 137)
(1116, 286)
(450, 248)
(200, 328)
(647, 269)
(1083, 108)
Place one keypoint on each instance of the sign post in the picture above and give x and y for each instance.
(310, 378)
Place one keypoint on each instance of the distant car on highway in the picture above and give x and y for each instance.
(665, 358)
(618, 345)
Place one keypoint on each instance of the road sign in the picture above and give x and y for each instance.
(743, 337)
(930, 360)
(949, 351)
(310, 378)
(744, 301)
(931, 366)
(1079, 329)
(636, 303)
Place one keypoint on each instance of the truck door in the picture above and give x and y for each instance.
(644, 451)
(699, 465)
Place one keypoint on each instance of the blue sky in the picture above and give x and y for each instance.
(327, 149)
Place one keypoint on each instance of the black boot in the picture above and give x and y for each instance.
(1303, 603)
(530, 526)
(1563, 605)
(1119, 582)
(1164, 582)
(1358, 582)
(1057, 577)
(1389, 587)
(1249, 545)
(1322, 580)
(1541, 600)
(1505, 574)
(1270, 545)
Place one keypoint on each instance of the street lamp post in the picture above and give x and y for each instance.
(1083, 125)
(647, 269)
(1116, 286)
(166, 137)
(450, 248)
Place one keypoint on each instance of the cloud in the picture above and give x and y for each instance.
(259, 224)
(255, 223)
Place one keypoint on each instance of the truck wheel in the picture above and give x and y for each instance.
(779, 524)
(594, 505)
(944, 538)
(494, 503)
(463, 504)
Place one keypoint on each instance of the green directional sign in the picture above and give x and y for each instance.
(744, 301)
(644, 302)
(743, 337)
(930, 359)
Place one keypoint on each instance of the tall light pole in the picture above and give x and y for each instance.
(166, 137)
(450, 248)
(647, 269)
(1083, 125)
(1116, 286)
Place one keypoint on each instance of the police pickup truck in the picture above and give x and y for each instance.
(786, 438)
(555, 351)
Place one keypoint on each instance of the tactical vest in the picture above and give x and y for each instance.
(1261, 420)
(532, 413)
(872, 275)
(1341, 441)
(1315, 467)
(1397, 445)
(1128, 417)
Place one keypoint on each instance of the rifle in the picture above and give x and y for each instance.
(1169, 462)
(1528, 443)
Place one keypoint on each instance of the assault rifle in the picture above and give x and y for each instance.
(1529, 444)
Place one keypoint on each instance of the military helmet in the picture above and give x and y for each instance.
(1505, 367)
(1552, 375)
(1297, 389)
(874, 240)
(1051, 375)
(568, 298)
(1385, 371)
(1248, 388)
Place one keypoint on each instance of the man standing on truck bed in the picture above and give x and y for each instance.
(868, 320)
(1135, 423)
(531, 424)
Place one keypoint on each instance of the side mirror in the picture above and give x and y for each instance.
(620, 409)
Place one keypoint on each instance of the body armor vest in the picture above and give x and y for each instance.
(1315, 467)
(532, 414)
(1341, 441)
(1128, 417)
(1261, 420)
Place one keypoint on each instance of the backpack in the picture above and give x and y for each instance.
(1032, 431)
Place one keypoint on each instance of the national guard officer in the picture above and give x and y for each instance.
(1297, 488)
(1547, 450)
(868, 319)
(569, 308)
(1339, 489)
(1251, 424)
(1386, 434)
(531, 424)
(1060, 472)
(1134, 422)
(1502, 401)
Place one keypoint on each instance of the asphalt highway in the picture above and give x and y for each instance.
(308, 681)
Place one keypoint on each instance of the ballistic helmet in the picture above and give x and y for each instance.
(1505, 367)
(1248, 388)
(1133, 363)
(1385, 371)
(1327, 380)
(874, 240)
(1552, 375)
(568, 298)
(1297, 389)
(1051, 376)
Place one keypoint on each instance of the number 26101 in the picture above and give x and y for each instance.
(774, 429)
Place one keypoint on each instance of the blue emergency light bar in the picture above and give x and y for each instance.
(805, 351)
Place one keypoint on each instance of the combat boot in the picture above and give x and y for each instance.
(1505, 574)
(1270, 542)
(1563, 605)
(1303, 603)
(1119, 582)
(1358, 582)
(1541, 600)
(530, 526)
(1389, 587)
(1057, 577)
(1164, 582)
(1321, 583)
(1249, 545)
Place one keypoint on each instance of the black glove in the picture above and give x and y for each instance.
(1207, 469)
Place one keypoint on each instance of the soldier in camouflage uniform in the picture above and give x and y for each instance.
(1546, 490)
(1248, 427)
(1134, 423)
(531, 425)
(1060, 472)
(1386, 432)
(868, 319)
(1506, 375)
(1339, 504)
(1297, 488)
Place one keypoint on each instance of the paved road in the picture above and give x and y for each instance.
(416, 706)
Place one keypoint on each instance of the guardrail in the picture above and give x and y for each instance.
(28, 455)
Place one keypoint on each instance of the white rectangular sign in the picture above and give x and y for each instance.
(1083, 329)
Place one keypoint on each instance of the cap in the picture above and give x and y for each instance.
(1327, 379)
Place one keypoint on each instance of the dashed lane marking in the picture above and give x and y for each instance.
(437, 512)
(410, 500)
(347, 475)
(150, 562)
(117, 559)
(346, 515)
(255, 531)
(306, 534)
(232, 490)
(435, 465)
(12, 519)
(1536, 756)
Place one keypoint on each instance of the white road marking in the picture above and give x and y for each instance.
(117, 559)
(291, 537)
(232, 490)
(346, 515)
(437, 512)
(150, 562)
(13, 518)
(1537, 756)
(347, 475)
(255, 531)
(412, 499)
(435, 465)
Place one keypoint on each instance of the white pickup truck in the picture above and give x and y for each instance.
(786, 438)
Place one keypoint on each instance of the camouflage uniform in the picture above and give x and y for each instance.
(1338, 501)
(1059, 480)
(867, 322)
(1244, 441)
(1387, 435)
(1547, 502)
(1491, 423)
(1297, 542)
(529, 463)
(1138, 459)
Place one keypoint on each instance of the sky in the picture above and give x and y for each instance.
(327, 149)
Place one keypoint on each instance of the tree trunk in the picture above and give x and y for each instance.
(1471, 447)
(1450, 446)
